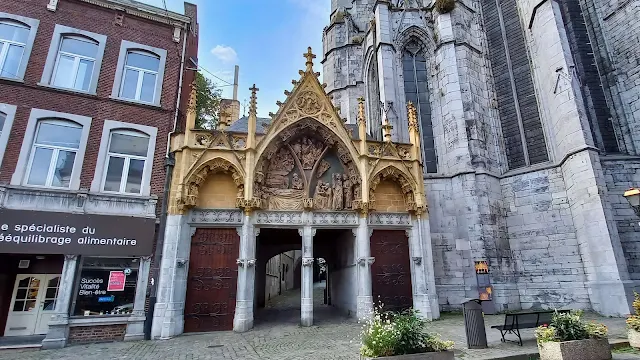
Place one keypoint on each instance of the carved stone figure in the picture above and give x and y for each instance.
(347, 188)
(308, 152)
(322, 196)
(322, 168)
(356, 192)
(337, 192)
(296, 182)
(280, 166)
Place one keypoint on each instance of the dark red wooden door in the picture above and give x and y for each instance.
(212, 281)
(391, 271)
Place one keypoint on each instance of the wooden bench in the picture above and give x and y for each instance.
(524, 320)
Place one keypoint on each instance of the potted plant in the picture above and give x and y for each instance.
(401, 336)
(567, 337)
(633, 322)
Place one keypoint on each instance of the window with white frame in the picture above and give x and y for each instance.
(75, 63)
(140, 76)
(53, 153)
(127, 158)
(13, 40)
(3, 119)
(7, 114)
(140, 73)
(74, 60)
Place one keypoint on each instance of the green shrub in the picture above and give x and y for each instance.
(389, 334)
(633, 321)
(445, 6)
(568, 327)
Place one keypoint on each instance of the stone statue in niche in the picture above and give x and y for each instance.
(296, 182)
(322, 168)
(347, 187)
(356, 192)
(337, 192)
(322, 196)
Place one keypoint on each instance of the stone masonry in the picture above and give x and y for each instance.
(556, 234)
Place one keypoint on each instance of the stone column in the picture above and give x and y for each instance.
(422, 271)
(306, 288)
(59, 324)
(135, 327)
(365, 295)
(168, 316)
(243, 319)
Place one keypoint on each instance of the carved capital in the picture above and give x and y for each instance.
(70, 257)
(307, 261)
(366, 261)
(246, 263)
(256, 232)
(417, 260)
(146, 258)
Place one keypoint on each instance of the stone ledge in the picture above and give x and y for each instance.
(76, 201)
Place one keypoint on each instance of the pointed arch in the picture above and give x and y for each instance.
(402, 178)
(416, 50)
(191, 185)
(372, 92)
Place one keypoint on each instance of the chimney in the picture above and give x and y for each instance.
(235, 83)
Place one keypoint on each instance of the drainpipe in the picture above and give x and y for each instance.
(168, 167)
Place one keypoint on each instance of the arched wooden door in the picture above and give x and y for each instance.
(391, 271)
(212, 281)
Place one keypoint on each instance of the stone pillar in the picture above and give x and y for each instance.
(168, 316)
(135, 327)
(59, 324)
(364, 303)
(422, 276)
(306, 289)
(243, 319)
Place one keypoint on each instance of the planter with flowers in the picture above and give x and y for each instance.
(633, 323)
(567, 337)
(402, 336)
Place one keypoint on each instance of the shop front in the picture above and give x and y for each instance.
(73, 278)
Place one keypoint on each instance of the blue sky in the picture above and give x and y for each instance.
(265, 37)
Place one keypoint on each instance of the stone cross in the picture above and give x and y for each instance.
(309, 56)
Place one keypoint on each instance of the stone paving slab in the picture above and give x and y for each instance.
(278, 337)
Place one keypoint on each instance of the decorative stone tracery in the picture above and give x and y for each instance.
(192, 185)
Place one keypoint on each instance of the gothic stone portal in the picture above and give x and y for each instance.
(308, 169)
(213, 275)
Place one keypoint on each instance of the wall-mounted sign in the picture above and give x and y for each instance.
(116, 281)
(39, 232)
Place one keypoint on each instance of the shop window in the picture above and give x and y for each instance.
(106, 286)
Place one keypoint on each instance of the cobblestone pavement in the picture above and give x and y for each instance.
(277, 336)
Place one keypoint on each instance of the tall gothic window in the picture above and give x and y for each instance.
(416, 90)
(374, 124)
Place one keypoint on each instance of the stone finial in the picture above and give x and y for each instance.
(253, 105)
(362, 120)
(309, 56)
(413, 116)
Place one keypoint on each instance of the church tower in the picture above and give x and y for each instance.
(526, 129)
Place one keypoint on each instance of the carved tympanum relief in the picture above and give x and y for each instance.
(307, 167)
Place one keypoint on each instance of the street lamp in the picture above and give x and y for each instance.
(633, 197)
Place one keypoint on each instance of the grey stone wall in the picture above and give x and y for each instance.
(620, 175)
(542, 236)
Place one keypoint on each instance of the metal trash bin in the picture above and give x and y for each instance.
(474, 324)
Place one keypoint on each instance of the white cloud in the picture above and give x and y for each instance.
(225, 53)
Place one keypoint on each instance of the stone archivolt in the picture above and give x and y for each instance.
(307, 160)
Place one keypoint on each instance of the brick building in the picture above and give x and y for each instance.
(89, 93)
(529, 114)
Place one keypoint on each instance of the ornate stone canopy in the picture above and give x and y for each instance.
(308, 158)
